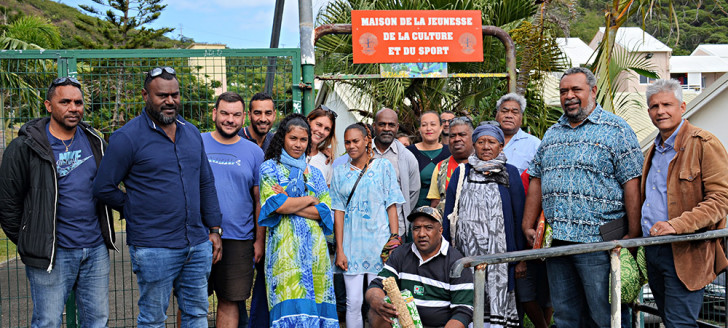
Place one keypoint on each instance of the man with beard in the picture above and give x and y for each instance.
(262, 114)
(386, 145)
(170, 203)
(233, 158)
(48, 210)
(586, 173)
(461, 146)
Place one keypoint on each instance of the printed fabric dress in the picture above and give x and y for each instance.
(366, 223)
(298, 273)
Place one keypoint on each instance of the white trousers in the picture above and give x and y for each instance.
(355, 297)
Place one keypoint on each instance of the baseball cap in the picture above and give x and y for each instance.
(427, 211)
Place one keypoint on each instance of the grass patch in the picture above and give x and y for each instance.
(8, 250)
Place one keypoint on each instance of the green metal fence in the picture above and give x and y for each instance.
(112, 82)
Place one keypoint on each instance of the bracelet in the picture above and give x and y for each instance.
(393, 235)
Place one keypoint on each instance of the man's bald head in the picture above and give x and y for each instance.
(386, 124)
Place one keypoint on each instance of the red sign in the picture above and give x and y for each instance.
(412, 36)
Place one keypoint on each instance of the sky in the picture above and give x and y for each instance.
(236, 23)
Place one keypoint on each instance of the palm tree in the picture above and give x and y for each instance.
(19, 97)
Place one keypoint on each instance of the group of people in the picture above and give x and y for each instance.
(243, 211)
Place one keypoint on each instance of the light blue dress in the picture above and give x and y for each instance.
(366, 224)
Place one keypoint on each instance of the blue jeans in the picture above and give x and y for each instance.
(678, 306)
(579, 287)
(84, 270)
(161, 270)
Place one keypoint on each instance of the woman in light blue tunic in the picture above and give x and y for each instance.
(364, 192)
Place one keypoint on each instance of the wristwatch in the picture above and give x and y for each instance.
(216, 230)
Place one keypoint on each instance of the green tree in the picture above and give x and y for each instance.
(124, 23)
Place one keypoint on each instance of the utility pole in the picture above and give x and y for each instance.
(275, 36)
(308, 58)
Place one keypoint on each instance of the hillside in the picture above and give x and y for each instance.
(699, 21)
(63, 17)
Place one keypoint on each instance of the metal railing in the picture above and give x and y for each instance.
(480, 262)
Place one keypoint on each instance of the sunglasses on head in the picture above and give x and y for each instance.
(495, 123)
(158, 71)
(329, 110)
(65, 81)
(457, 119)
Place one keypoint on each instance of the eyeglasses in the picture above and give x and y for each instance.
(65, 81)
(329, 110)
(158, 71)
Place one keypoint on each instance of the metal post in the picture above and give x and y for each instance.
(616, 290)
(274, 38)
(479, 297)
(507, 41)
(308, 57)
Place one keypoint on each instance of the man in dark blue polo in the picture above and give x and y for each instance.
(170, 204)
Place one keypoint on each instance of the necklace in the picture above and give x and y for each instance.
(63, 142)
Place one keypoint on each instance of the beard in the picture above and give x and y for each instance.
(224, 134)
(582, 113)
(161, 118)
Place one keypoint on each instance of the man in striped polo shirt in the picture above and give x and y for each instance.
(423, 267)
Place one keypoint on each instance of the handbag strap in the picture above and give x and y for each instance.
(357, 180)
(453, 217)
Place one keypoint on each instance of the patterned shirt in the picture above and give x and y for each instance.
(582, 170)
(366, 223)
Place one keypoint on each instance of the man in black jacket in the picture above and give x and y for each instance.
(49, 212)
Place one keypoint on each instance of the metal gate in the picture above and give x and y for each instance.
(112, 81)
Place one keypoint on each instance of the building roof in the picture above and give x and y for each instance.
(720, 50)
(575, 50)
(700, 64)
(635, 39)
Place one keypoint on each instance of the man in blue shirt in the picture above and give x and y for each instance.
(262, 115)
(170, 204)
(520, 146)
(49, 211)
(235, 163)
(586, 174)
(685, 190)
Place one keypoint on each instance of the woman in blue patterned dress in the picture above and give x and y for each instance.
(295, 209)
(364, 192)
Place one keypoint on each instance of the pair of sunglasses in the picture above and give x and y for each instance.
(66, 80)
(457, 119)
(158, 71)
(329, 110)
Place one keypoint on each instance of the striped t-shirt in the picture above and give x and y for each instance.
(439, 298)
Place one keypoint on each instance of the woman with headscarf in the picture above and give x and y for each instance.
(489, 214)
(295, 207)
